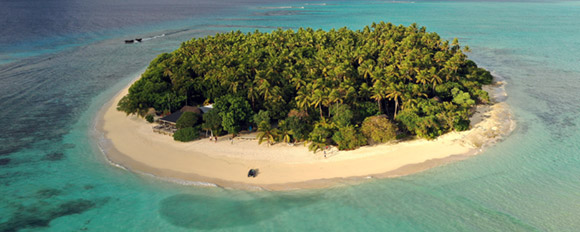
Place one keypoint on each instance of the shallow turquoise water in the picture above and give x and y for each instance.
(57, 180)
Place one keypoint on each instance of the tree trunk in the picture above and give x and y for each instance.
(396, 106)
(329, 111)
(320, 107)
(253, 104)
(380, 106)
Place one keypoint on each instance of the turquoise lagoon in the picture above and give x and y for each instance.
(53, 176)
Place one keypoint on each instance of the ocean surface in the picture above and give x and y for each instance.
(61, 60)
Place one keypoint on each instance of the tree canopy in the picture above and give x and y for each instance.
(234, 111)
(423, 84)
(186, 134)
(187, 119)
(378, 129)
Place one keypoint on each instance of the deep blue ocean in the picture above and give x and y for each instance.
(62, 60)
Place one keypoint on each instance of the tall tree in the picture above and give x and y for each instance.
(394, 93)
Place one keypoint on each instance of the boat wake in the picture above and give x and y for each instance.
(280, 7)
(154, 37)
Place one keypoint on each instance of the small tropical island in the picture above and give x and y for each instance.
(330, 91)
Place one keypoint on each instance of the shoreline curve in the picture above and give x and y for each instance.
(129, 142)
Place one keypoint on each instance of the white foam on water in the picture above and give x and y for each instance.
(280, 7)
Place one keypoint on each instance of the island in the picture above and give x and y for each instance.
(331, 106)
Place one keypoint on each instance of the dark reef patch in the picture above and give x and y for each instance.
(48, 193)
(68, 146)
(55, 156)
(10, 177)
(7, 150)
(40, 215)
(5, 161)
(73, 207)
(523, 128)
(207, 212)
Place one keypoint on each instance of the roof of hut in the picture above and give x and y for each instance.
(207, 108)
(172, 118)
(193, 109)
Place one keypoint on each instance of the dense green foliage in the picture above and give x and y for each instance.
(425, 85)
(187, 119)
(234, 111)
(341, 115)
(149, 118)
(213, 122)
(188, 127)
(186, 134)
(265, 130)
(379, 129)
(295, 127)
(348, 138)
(262, 119)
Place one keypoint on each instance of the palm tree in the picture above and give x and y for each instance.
(252, 92)
(366, 68)
(269, 134)
(315, 146)
(334, 97)
(378, 92)
(264, 88)
(393, 93)
(231, 80)
(298, 81)
(439, 57)
(452, 66)
(287, 136)
(422, 77)
(434, 79)
(409, 102)
(302, 98)
(317, 99)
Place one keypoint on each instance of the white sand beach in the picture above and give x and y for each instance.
(131, 142)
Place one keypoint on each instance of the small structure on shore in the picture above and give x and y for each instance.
(171, 120)
(168, 124)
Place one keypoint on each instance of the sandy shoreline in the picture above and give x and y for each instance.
(130, 142)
